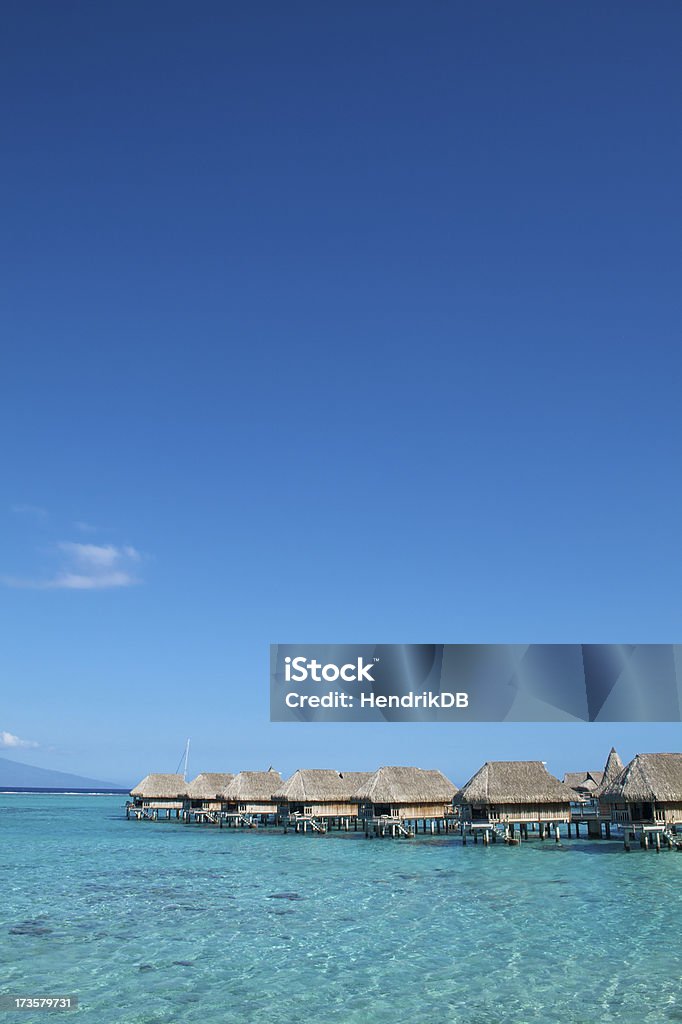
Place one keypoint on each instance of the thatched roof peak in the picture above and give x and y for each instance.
(655, 777)
(161, 787)
(583, 782)
(516, 782)
(612, 769)
(321, 785)
(248, 786)
(209, 785)
(401, 785)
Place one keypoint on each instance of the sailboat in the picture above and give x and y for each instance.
(184, 761)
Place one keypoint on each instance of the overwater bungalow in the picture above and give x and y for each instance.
(647, 793)
(205, 794)
(158, 795)
(400, 795)
(249, 796)
(320, 797)
(503, 794)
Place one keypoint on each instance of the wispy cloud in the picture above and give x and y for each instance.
(98, 556)
(7, 739)
(30, 511)
(87, 567)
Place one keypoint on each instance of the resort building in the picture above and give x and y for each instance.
(250, 794)
(503, 794)
(205, 791)
(504, 799)
(320, 796)
(406, 794)
(158, 793)
(648, 792)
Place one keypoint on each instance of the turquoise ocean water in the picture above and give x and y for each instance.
(156, 923)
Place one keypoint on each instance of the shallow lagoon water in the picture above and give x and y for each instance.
(158, 923)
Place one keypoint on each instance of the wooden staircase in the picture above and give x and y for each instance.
(674, 841)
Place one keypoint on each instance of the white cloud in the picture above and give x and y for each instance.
(95, 556)
(87, 567)
(97, 581)
(7, 739)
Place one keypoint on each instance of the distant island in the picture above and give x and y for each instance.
(15, 775)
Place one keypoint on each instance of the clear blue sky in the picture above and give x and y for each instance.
(353, 322)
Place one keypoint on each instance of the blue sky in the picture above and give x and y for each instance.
(335, 324)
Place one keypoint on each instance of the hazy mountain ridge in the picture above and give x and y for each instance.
(16, 775)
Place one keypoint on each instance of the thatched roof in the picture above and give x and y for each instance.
(656, 777)
(612, 769)
(161, 787)
(253, 786)
(321, 785)
(514, 782)
(391, 785)
(583, 782)
(209, 785)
